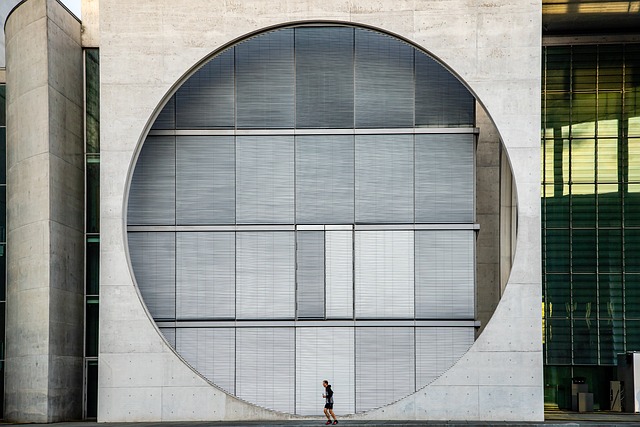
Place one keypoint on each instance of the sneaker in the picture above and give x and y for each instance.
(328, 422)
(335, 422)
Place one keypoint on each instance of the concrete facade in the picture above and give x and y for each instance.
(45, 292)
(148, 46)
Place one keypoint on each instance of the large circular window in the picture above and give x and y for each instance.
(303, 209)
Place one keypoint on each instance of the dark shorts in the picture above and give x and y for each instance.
(328, 405)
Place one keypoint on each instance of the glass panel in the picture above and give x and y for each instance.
(609, 112)
(609, 250)
(633, 153)
(557, 253)
(558, 295)
(557, 115)
(3, 155)
(206, 99)
(167, 117)
(607, 160)
(610, 67)
(558, 341)
(325, 179)
(384, 178)
(583, 160)
(609, 205)
(585, 342)
(265, 81)
(92, 274)
(583, 250)
(93, 196)
(3, 105)
(557, 213)
(632, 328)
(558, 68)
(585, 67)
(91, 410)
(92, 100)
(611, 333)
(583, 205)
(91, 327)
(3, 272)
(339, 274)
(585, 290)
(610, 296)
(310, 295)
(384, 88)
(324, 77)
(3, 213)
(632, 297)
(631, 250)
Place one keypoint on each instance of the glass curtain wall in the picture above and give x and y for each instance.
(92, 228)
(302, 209)
(3, 238)
(590, 214)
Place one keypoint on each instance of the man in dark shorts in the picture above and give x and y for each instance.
(328, 407)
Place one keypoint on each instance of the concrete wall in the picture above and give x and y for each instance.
(147, 46)
(45, 214)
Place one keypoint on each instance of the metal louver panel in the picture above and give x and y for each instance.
(324, 77)
(339, 274)
(265, 287)
(324, 179)
(153, 261)
(441, 99)
(205, 180)
(264, 180)
(437, 349)
(384, 88)
(267, 360)
(206, 99)
(205, 279)
(310, 274)
(152, 197)
(265, 81)
(324, 354)
(384, 179)
(384, 274)
(385, 366)
(444, 178)
(167, 117)
(170, 335)
(445, 266)
(211, 352)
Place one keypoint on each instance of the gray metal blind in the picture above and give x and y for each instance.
(444, 178)
(264, 179)
(339, 274)
(324, 179)
(385, 366)
(152, 197)
(211, 352)
(437, 349)
(153, 262)
(170, 335)
(445, 274)
(265, 81)
(441, 99)
(384, 178)
(167, 117)
(265, 287)
(310, 274)
(325, 353)
(384, 274)
(324, 77)
(205, 275)
(206, 99)
(205, 180)
(384, 88)
(266, 360)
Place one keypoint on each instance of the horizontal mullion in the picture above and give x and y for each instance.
(305, 227)
(360, 131)
(317, 323)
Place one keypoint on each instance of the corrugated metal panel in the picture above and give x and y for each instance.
(310, 274)
(384, 274)
(265, 270)
(384, 179)
(211, 352)
(324, 179)
(339, 274)
(324, 354)
(265, 179)
(385, 366)
(206, 99)
(384, 91)
(205, 282)
(266, 361)
(445, 178)
(437, 349)
(445, 274)
(152, 197)
(205, 180)
(324, 77)
(153, 259)
(441, 100)
(265, 81)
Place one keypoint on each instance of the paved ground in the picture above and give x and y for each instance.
(554, 418)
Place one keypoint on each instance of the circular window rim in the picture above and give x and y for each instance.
(193, 70)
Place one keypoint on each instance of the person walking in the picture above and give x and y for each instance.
(328, 406)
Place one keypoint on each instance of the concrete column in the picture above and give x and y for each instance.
(45, 214)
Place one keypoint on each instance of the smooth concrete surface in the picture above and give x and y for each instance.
(45, 285)
(90, 24)
(147, 47)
